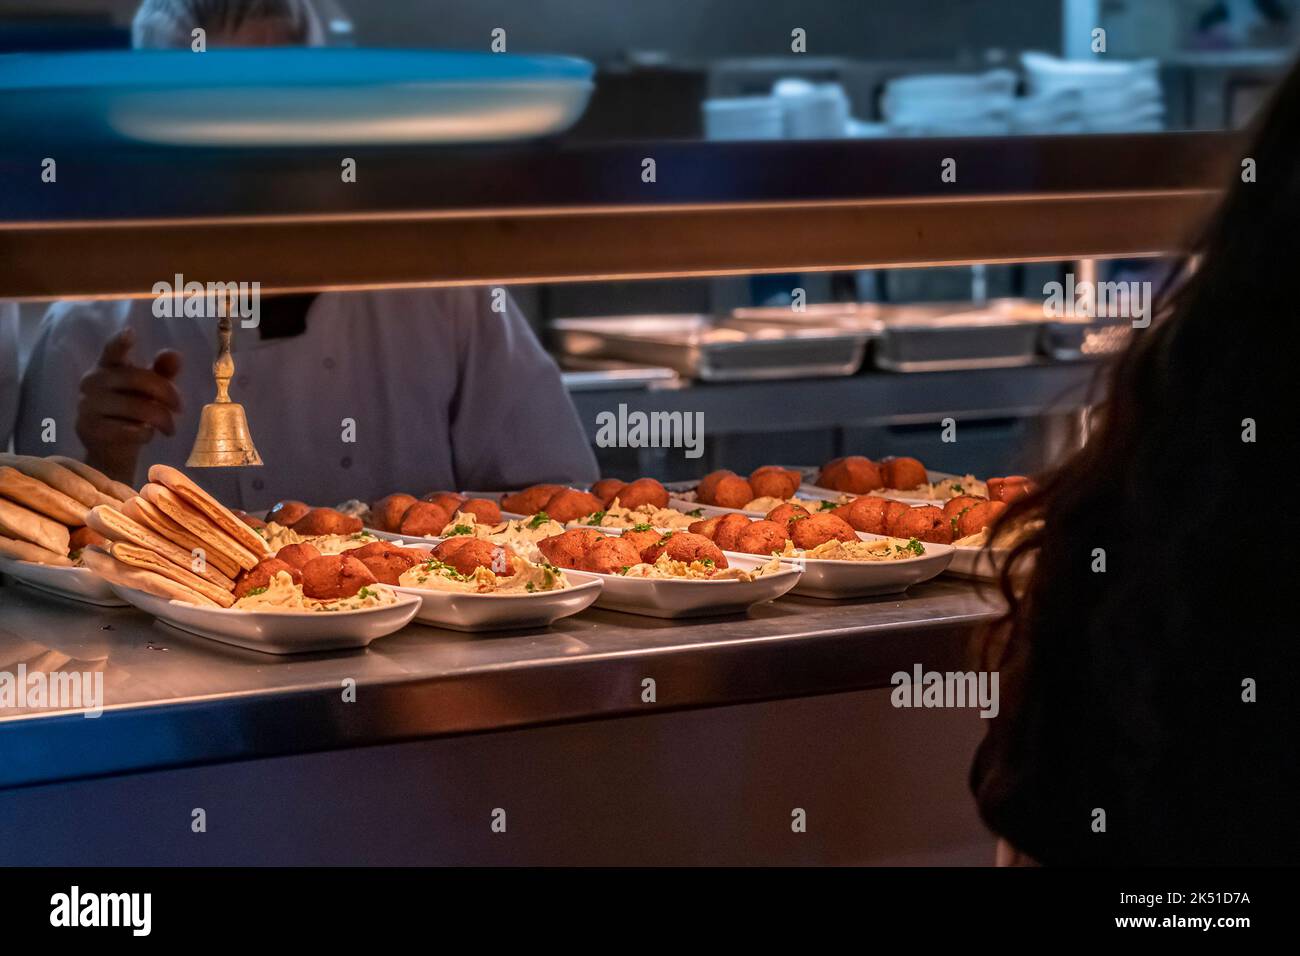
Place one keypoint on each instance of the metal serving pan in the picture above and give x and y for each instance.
(1003, 333)
(700, 347)
(1081, 340)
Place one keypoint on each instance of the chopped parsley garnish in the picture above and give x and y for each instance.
(595, 518)
(664, 539)
(539, 519)
(365, 592)
(624, 569)
(255, 592)
(958, 490)
(530, 587)
(643, 527)
(461, 529)
(799, 517)
(913, 545)
(827, 506)
(708, 561)
(695, 513)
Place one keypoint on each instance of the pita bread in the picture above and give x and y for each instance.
(58, 478)
(114, 489)
(193, 521)
(148, 515)
(188, 491)
(26, 551)
(115, 572)
(146, 560)
(115, 526)
(26, 525)
(40, 497)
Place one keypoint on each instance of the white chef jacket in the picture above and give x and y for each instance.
(444, 392)
(8, 371)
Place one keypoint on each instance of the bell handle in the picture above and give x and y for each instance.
(223, 369)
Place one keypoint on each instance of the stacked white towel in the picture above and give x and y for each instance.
(950, 104)
(1089, 96)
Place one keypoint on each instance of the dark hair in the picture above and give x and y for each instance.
(1122, 689)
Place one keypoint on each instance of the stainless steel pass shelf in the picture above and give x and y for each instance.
(174, 699)
(119, 219)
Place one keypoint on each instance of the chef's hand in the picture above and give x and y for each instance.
(122, 405)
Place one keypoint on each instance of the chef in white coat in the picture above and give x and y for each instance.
(348, 394)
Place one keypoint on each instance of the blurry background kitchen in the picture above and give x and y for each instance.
(725, 69)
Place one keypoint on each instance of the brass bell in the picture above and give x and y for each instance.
(224, 440)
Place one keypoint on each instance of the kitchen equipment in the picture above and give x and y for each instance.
(699, 347)
(223, 439)
(292, 97)
(1003, 334)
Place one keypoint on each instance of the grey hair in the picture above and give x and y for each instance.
(168, 23)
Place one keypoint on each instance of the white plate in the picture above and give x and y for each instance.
(830, 494)
(715, 511)
(975, 563)
(278, 633)
(824, 578)
(666, 597)
(499, 612)
(76, 584)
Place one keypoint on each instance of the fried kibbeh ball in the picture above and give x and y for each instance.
(529, 501)
(643, 539)
(448, 499)
(818, 529)
(467, 554)
(868, 513)
(687, 547)
(1010, 488)
(855, 474)
(610, 555)
(925, 523)
(705, 526)
(424, 519)
(334, 576)
(248, 519)
(299, 554)
(320, 521)
(979, 516)
(607, 489)
(287, 512)
(261, 575)
(485, 510)
(953, 507)
(569, 504)
(762, 537)
(643, 491)
(732, 492)
(709, 483)
(773, 481)
(784, 514)
(904, 473)
(387, 561)
(728, 531)
(387, 512)
(568, 549)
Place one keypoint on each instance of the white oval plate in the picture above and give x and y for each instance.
(500, 612)
(714, 511)
(666, 597)
(830, 494)
(974, 563)
(273, 632)
(76, 584)
(825, 578)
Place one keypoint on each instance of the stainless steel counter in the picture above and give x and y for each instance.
(174, 700)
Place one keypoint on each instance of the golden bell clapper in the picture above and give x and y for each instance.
(224, 440)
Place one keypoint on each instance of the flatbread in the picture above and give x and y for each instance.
(188, 491)
(26, 525)
(115, 572)
(115, 526)
(58, 478)
(146, 560)
(196, 524)
(40, 497)
(148, 515)
(114, 489)
(26, 551)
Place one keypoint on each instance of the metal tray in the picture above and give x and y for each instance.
(1079, 341)
(700, 347)
(1001, 334)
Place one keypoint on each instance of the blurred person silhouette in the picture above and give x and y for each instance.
(1148, 664)
(445, 392)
